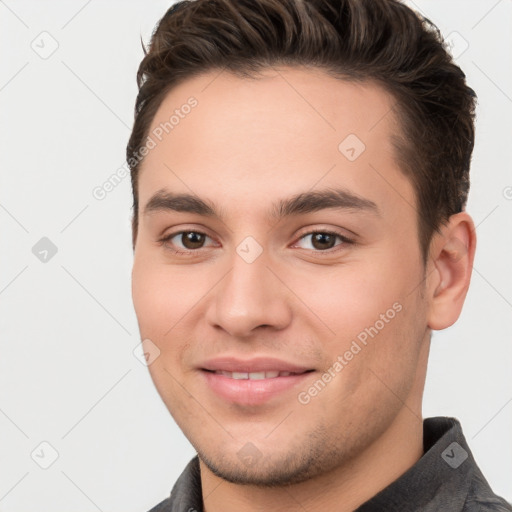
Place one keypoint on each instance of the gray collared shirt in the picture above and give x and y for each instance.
(445, 479)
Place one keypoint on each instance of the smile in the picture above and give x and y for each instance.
(254, 375)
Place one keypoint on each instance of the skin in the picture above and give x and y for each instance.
(247, 144)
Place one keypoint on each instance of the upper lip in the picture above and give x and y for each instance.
(256, 364)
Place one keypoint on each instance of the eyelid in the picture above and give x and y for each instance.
(345, 240)
(165, 239)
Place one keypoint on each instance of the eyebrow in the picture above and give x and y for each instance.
(305, 202)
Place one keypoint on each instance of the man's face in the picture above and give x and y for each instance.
(251, 289)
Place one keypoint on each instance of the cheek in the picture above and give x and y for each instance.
(158, 307)
(149, 298)
(349, 300)
(162, 295)
(375, 312)
(167, 302)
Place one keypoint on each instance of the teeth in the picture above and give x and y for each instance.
(253, 375)
(257, 375)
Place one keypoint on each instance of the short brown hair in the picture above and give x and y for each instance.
(359, 40)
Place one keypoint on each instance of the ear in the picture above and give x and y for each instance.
(451, 255)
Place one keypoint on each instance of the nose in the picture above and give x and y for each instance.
(249, 297)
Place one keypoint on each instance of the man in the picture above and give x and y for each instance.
(300, 173)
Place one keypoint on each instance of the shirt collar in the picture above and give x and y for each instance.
(440, 479)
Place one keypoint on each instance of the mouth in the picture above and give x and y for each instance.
(253, 382)
(255, 375)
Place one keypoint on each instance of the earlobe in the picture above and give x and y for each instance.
(452, 255)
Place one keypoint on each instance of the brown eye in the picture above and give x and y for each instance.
(182, 241)
(320, 240)
(323, 240)
(192, 239)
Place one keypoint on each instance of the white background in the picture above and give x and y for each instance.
(68, 375)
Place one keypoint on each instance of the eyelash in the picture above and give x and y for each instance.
(192, 252)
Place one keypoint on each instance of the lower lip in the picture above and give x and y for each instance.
(252, 392)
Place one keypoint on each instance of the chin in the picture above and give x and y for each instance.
(251, 467)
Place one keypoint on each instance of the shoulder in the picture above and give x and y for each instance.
(481, 497)
(493, 505)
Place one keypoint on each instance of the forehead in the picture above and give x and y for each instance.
(288, 128)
